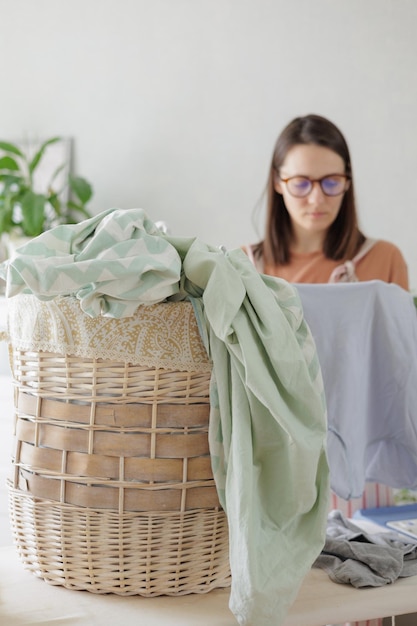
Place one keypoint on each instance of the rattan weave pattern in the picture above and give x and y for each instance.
(100, 551)
(112, 489)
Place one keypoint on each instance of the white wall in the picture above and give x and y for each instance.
(174, 105)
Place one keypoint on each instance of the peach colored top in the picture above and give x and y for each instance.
(384, 261)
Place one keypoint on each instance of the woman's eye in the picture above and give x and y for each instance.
(300, 183)
(331, 182)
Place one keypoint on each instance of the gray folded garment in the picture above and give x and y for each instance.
(353, 556)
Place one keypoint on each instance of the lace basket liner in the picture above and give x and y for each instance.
(163, 335)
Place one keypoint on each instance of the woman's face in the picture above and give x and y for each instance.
(315, 212)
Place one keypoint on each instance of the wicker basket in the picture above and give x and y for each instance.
(112, 487)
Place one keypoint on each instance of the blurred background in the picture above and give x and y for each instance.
(174, 106)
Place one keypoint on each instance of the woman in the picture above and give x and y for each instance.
(312, 233)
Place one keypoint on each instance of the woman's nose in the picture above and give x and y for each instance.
(316, 192)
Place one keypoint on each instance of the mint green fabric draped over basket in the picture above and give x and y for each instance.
(268, 415)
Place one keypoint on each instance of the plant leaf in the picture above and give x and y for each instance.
(79, 208)
(55, 174)
(55, 202)
(7, 163)
(11, 147)
(9, 179)
(6, 218)
(33, 212)
(34, 162)
(81, 187)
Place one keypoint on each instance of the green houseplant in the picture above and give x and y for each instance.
(24, 210)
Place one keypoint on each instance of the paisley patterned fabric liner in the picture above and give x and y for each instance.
(163, 335)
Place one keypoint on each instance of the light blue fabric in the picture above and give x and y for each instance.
(366, 338)
(268, 417)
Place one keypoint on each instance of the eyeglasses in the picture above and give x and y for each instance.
(331, 185)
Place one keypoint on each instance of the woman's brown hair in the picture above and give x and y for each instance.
(343, 238)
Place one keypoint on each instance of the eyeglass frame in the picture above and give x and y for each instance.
(317, 180)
